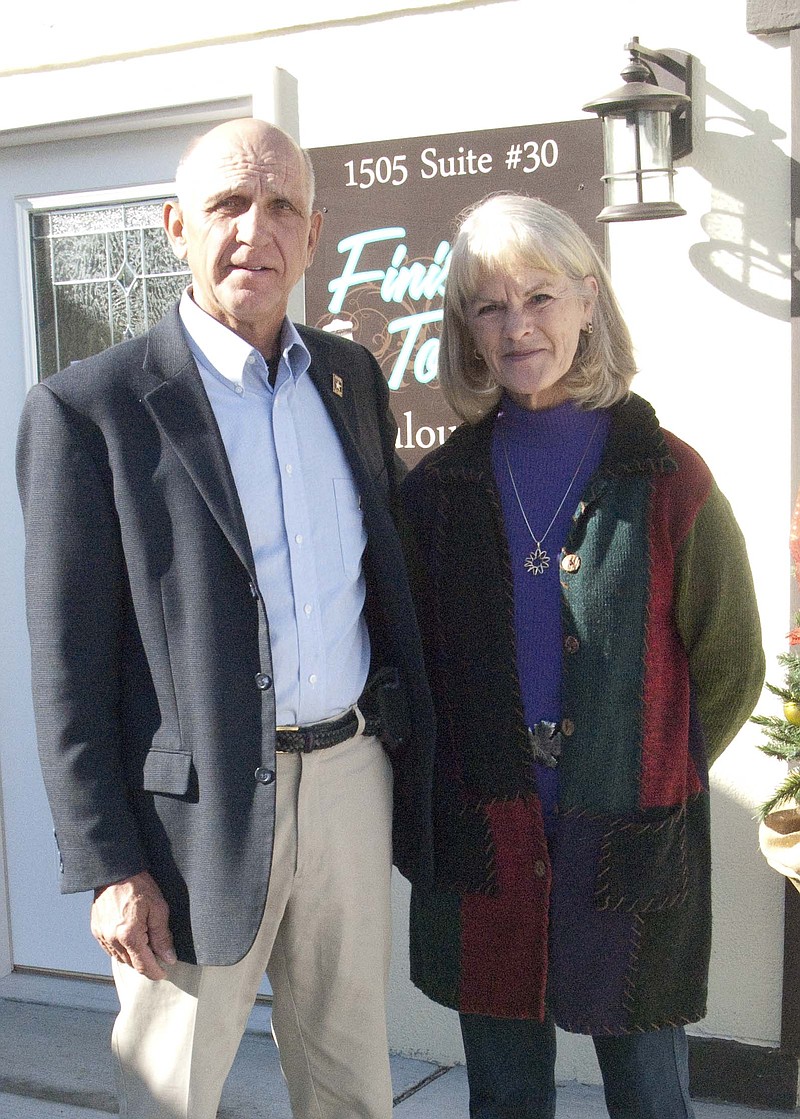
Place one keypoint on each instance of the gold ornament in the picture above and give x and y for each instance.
(791, 712)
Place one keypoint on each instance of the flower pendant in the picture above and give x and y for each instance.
(537, 562)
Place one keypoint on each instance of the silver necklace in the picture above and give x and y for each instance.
(538, 561)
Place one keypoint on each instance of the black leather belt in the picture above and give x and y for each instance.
(321, 736)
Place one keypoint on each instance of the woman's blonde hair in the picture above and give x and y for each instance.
(508, 231)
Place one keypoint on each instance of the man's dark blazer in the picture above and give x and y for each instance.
(150, 644)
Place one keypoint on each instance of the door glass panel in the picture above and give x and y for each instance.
(101, 274)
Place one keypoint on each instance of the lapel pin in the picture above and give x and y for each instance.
(338, 385)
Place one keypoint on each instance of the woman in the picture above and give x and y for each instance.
(593, 644)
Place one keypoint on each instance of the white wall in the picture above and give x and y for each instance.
(706, 295)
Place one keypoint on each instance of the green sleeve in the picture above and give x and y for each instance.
(718, 621)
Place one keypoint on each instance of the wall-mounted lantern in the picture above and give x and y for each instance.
(645, 127)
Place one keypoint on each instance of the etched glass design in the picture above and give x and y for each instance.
(101, 274)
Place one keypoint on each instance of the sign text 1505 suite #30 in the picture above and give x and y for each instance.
(392, 170)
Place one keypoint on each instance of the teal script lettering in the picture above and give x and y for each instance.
(396, 283)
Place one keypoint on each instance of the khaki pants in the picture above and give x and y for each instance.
(324, 942)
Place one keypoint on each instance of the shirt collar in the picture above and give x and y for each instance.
(228, 355)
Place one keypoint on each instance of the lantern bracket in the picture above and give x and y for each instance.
(669, 69)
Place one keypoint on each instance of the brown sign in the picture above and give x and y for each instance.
(390, 211)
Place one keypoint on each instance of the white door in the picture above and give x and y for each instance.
(47, 930)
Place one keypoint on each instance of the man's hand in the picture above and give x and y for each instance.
(130, 921)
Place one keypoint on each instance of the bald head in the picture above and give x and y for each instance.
(245, 223)
(244, 144)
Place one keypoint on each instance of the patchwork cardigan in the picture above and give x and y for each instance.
(608, 924)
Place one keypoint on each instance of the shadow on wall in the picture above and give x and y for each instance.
(746, 255)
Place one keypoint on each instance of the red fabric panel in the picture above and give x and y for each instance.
(504, 935)
(668, 773)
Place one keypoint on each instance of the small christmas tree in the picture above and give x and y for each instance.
(783, 735)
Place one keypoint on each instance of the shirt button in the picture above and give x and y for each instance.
(312, 678)
(540, 868)
(264, 776)
(298, 538)
(238, 389)
(567, 727)
(289, 468)
(571, 563)
(571, 644)
(263, 681)
(251, 360)
(307, 609)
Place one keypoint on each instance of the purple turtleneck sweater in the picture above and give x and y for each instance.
(544, 451)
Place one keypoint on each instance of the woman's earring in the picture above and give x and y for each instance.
(589, 328)
(477, 357)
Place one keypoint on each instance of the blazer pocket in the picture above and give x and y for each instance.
(167, 771)
(643, 866)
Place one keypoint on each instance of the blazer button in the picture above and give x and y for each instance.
(264, 776)
(571, 563)
(571, 644)
(540, 868)
(567, 727)
(263, 681)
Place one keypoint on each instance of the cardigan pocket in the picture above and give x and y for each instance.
(643, 865)
(167, 771)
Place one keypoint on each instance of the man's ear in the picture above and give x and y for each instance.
(173, 224)
(313, 236)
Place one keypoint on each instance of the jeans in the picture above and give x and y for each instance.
(511, 1063)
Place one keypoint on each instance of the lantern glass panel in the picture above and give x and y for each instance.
(647, 187)
(638, 158)
(638, 141)
(620, 142)
(655, 133)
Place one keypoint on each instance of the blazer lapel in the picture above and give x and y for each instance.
(331, 384)
(181, 409)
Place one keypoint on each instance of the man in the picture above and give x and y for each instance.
(220, 626)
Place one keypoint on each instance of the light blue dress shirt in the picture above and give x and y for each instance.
(302, 511)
